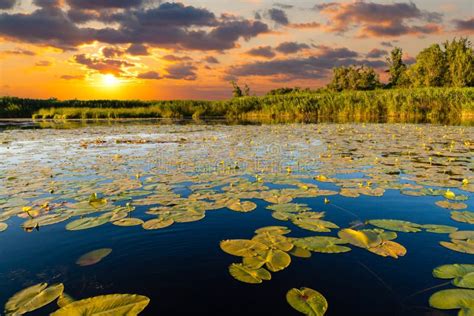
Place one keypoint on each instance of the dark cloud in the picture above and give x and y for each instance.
(307, 25)
(314, 67)
(170, 25)
(111, 52)
(374, 19)
(291, 47)
(19, 51)
(386, 44)
(7, 4)
(107, 4)
(150, 75)
(262, 51)
(43, 63)
(47, 3)
(138, 50)
(176, 58)
(211, 60)
(376, 53)
(181, 71)
(464, 25)
(103, 65)
(72, 77)
(278, 16)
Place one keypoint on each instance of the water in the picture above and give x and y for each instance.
(181, 268)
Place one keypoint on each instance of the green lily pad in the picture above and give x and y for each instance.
(463, 216)
(274, 259)
(93, 257)
(33, 298)
(245, 206)
(273, 230)
(274, 241)
(315, 225)
(307, 301)
(363, 239)
(389, 248)
(157, 223)
(396, 225)
(243, 247)
(462, 299)
(248, 275)
(462, 274)
(112, 304)
(322, 244)
(289, 207)
(300, 252)
(439, 229)
(128, 222)
(87, 222)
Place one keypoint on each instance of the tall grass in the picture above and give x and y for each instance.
(401, 103)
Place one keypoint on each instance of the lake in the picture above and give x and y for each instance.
(173, 203)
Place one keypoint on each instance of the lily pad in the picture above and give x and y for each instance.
(273, 230)
(396, 225)
(245, 206)
(128, 222)
(362, 239)
(248, 275)
(322, 244)
(439, 229)
(3, 226)
(274, 259)
(451, 205)
(87, 222)
(300, 252)
(463, 216)
(462, 274)
(307, 301)
(389, 248)
(462, 299)
(33, 298)
(112, 304)
(93, 257)
(157, 223)
(243, 247)
(315, 225)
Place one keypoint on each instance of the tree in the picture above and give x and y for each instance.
(246, 90)
(397, 67)
(460, 63)
(354, 78)
(236, 91)
(430, 68)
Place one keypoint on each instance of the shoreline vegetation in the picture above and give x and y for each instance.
(438, 85)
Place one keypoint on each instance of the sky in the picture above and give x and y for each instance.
(151, 49)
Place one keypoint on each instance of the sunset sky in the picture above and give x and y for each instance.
(151, 49)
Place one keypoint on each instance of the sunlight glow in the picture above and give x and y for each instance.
(110, 80)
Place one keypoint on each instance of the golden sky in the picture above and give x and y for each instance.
(148, 49)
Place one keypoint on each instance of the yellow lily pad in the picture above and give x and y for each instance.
(307, 301)
(157, 223)
(462, 299)
(93, 257)
(245, 206)
(243, 247)
(248, 275)
(322, 244)
(363, 239)
(33, 298)
(128, 222)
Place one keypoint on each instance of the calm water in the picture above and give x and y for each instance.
(181, 268)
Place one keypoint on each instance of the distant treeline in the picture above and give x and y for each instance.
(438, 84)
(413, 102)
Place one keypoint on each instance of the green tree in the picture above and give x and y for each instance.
(429, 69)
(460, 63)
(236, 91)
(354, 78)
(397, 67)
(246, 90)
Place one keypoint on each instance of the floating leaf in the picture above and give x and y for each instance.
(245, 206)
(307, 301)
(462, 299)
(451, 205)
(97, 202)
(463, 216)
(33, 298)
(396, 225)
(439, 229)
(300, 252)
(248, 275)
(273, 230)
(157, 223)
(315, 225)
(64, 299)
(389, 249)
(459, 245)
(274, 241)
(3, 226)
(462, 274)
(128, 222)
(243, 247)
(289, 207)
(93, 257)
(363, 239)
(274, 259)
(321, 244)
(112, 304)
(87, 222)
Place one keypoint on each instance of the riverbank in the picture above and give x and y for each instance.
(422, 103)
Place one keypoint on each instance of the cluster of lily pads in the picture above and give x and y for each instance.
(98, 175)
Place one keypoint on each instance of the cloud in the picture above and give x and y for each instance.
(72, 77)
(181, 71)
(138, 50)
(283, 5)
(261, 51)
(211, 60)
(176, 58)
(376, 53)
(317, 66)
(386, 44)
(103, 65)
(169, 25)
(7, 4)
(278, 16)
(307, 25)
(19, 51)
(291, 47)
(111, 52)
(464, 25)
(43, 63)
(377, 20)
(149, 75)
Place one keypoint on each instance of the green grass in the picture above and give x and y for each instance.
(399, 103)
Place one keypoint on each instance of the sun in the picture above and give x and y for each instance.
(110, 80)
